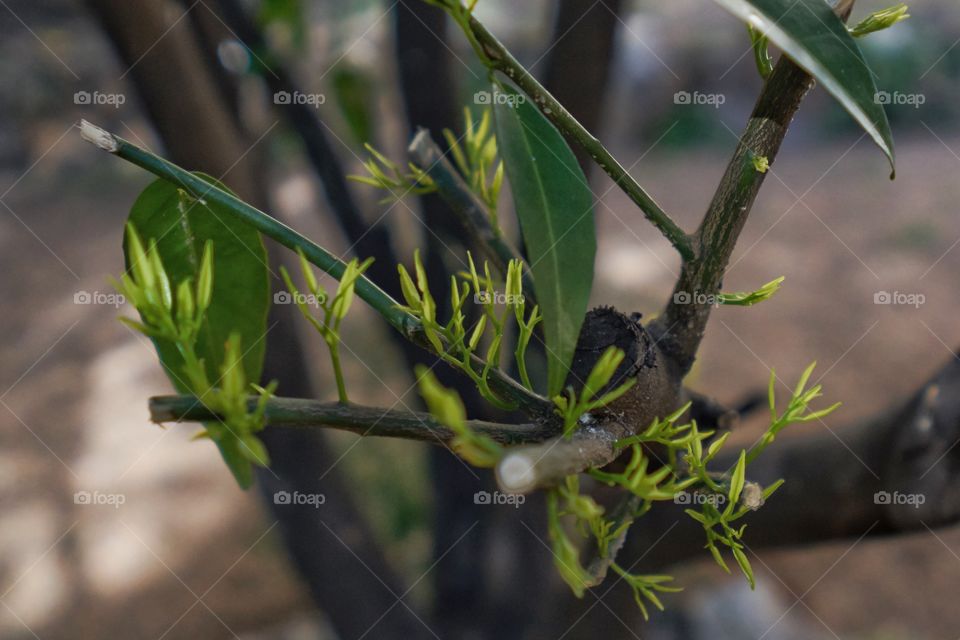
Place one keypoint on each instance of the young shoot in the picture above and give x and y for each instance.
(476, 158)
(880, 20)
(334, 309)
(445, 405)
(573, 406)
(748, 298)
(458, 344)
(396, 180)
(797, 411)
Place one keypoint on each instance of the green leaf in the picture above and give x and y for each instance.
(240, 292)
(744, 563)
(555, 207)
(737, 479)
(812, 35)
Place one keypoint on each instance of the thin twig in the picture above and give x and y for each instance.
(365, 421)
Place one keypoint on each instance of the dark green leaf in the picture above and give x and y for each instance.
(818, 41)
(555, 207)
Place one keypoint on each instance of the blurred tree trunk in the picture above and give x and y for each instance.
(578, 66)
(197, 124)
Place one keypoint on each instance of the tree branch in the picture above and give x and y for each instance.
(895, 472)
(493, 54)
(364, 421)
(656, 393)
(682, 324)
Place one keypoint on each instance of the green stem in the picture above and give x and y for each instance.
(496, 57)
(338, 373)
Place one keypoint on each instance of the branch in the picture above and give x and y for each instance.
(682, 324)
(496, 57)
(657, 393)
(530, 403)
(892, 473)
(364, 421)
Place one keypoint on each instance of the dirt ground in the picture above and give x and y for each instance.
(188, 555)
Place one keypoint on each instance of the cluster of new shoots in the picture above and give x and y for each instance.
(445, 405)
(797, 411)
(455, 342)
(589, 520)
(741, 496)
(573, 406)
(174, 316)
(476, 159)
(398, 181)
(475, 155)
(334, 309)
(684, 453)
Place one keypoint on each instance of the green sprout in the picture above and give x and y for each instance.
(760, 163)
(398, 181)
(797, 411)
(644, 587)
(880, 20)
(748, 298)
(476, 159)
(573, 406)
(445, 405)
(334, 309)
(475, 156)
(453, 341)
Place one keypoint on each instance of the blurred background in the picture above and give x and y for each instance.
(114, 527)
